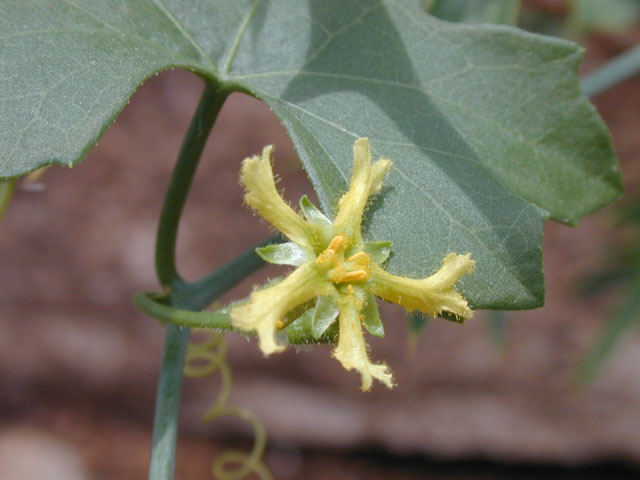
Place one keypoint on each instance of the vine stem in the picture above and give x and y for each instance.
(205, 116)
(165, 423)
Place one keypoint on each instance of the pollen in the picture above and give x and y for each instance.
(356, 268)
(357, 276)
(339, 243)
(360, 258)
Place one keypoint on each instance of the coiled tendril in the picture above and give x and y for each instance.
(205, 358)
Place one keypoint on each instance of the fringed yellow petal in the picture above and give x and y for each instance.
(365, 181)
(453, 267)
(430, 295)
(352, 203)
(262, 195)
(268, 307)
(351, 351)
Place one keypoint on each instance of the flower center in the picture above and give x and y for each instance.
(355, 268)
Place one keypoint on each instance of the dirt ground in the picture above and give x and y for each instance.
(79, 364)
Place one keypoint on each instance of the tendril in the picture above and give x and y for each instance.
(203, 359)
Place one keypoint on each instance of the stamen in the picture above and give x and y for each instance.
(339, 241)
(328, 256)
(361, 258)
(357, 276)
(345, 270)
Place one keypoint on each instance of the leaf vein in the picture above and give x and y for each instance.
(238, 37)
(163, 8)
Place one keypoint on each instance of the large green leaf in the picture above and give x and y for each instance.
(486, 125)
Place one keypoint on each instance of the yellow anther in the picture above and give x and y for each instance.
(339, 243)
(361, 258)
(333, 253)
(328, 256)
(357, 276)
(356, 268)
(279, 324)
(340, 275)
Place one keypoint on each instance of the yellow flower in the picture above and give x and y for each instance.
(338, 275)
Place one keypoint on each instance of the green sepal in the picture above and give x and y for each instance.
(313, 213)
(324, 314)
(371, 317)
(300, 330)
(379, 251)
(287, 253)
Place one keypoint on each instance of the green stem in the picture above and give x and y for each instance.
(210, 104)
(297, 333)
(151, 305)
(165, 422)
(613, 72)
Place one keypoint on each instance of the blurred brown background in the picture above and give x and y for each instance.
(79, 365)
